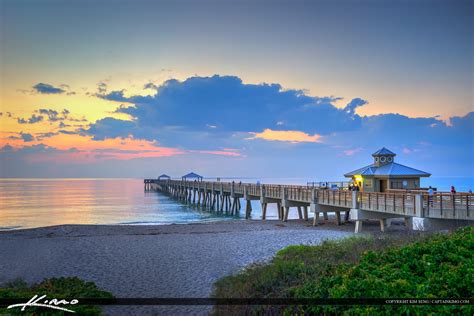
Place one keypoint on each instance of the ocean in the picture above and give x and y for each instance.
(29, 203)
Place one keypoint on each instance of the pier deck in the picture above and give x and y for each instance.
(226, 196)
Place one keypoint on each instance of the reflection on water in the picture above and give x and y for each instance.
(26, 203)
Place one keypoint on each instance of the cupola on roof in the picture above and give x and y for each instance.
(383, 152)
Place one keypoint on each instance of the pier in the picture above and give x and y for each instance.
(439, 208)
(380, 191)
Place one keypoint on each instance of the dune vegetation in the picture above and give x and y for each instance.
(438, 266)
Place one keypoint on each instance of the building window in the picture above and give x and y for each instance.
(389, 159)
(382, 159)
(376, 159)
(396, 185)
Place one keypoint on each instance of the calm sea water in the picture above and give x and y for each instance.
(27, 203)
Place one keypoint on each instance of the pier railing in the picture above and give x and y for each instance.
(342, 198)
(421, 204)
(448, 205)
(403, 204)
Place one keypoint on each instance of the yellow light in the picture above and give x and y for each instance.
(358, 178)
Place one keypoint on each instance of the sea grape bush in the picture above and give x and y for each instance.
(437, 266)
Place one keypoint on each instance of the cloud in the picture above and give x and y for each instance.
(45, 88)
(32, 120)
(224, 152)
(52, 114)
(62, 131)
(151, 86)
(41, 136)
(352, 151)
(33, 149)
(287, 136)
(7, 148)
(86, 151)
(26, 137)
(203, 101)
(119, 96)
(111, 128)
(353, 105)
(197, 103)
(101, 87)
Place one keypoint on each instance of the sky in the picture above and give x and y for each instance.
(303, 89)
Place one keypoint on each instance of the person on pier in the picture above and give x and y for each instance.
(430, 196)
(453, 190)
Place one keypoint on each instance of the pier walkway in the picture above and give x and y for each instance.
(226, 196)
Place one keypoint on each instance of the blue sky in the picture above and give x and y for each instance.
(237, 88)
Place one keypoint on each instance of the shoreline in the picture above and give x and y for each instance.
(214, 227)
(293, 223)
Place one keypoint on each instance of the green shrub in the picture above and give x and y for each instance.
(438, 266)
(60, 288)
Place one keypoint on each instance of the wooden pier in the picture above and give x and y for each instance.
(226, 196)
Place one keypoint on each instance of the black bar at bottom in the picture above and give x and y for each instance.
(253, 301)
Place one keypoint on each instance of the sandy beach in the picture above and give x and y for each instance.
(152, 261)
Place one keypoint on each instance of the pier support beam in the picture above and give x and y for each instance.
(248, 209)
(264, 211)
(346, 217)
(235, 206)
(314, 210)
(408, 222)
(338, 218)
(360, 215)
(300, 214)
(287, 211)
(279, 211)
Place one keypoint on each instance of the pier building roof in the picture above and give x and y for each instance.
(384, 165)
(191, 175)
(392, 169)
